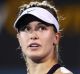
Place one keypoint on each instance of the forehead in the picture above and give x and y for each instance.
(37, 23)
(34, 23)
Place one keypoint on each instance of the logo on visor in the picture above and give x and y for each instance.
(30, 10)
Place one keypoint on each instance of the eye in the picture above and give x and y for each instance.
(41, 28)
(25, 28)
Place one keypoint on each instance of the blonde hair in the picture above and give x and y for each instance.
(43, 4)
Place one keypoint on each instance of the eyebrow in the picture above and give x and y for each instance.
(39, 23)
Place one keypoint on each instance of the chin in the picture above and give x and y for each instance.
(36, 58)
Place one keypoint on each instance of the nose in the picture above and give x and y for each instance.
(34, 36)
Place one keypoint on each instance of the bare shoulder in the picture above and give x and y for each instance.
(62, 70)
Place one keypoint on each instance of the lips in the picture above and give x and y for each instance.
(34, 45)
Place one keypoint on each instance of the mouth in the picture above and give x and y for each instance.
(34, 45)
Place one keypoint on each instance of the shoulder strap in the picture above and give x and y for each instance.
(54, 68)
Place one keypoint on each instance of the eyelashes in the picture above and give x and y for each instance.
(38, 27)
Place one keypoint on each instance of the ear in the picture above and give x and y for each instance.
(18, 37)
(56, 38)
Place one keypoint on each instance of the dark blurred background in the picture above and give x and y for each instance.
(11, 61)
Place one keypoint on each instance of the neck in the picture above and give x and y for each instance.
(41, 67)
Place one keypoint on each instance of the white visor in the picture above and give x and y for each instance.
(40, 13)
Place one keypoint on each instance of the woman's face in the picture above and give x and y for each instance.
(38, 40)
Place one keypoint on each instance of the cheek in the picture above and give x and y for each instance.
(23, 41)
(47, 39)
